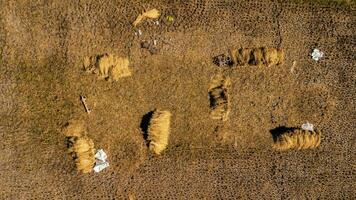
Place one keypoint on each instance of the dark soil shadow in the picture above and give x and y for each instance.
(145, 123)
(276, 132)
(223, 60)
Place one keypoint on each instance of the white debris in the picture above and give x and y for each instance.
(156, 23)
(101, 155)
(139, 32)
(100, 160)
(100, 166)
(308, 126)
(154, 42)
(317, 54)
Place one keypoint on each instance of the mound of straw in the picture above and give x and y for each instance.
(219, 98)
(158, 131)
(151, 14)
(257, 56)
(80, 146)
(108, 66)
(297, 139)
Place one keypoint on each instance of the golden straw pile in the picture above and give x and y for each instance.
(297, 139)
(158, 131)
(108, 66)
(80, 146)
(151, 14)
(219, 97)
(257, 56)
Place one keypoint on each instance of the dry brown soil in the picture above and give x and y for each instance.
(43, 44)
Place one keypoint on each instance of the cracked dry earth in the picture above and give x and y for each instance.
(43, 45)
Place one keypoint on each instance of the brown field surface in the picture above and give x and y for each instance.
(228, 155)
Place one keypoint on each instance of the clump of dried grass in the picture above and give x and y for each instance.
(120, 69)
(158, 131)
(243, 56)
(151, 14)
(297, 139)
(108, 66)
(233, 55)
(219, 97)
(80, 146)
(273, 56)
(257, 56)
(82, 150)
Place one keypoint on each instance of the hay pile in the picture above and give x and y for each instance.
(107, 66)
(151, 14)
(257, 56)
(219, 97)
(297, 139)
(80, 146)
(158, 131)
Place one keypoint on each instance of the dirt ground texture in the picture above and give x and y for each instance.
(43, 44)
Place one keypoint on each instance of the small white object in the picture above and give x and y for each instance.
(154, 42)
(101, 155)
(100, 166)
(317, 54)
(308, 126)
(100, 160)
(139, 32)
(156, 23)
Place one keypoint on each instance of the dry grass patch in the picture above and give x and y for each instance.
(219, 97)
(257, 56)
(151, 14)
(80, 146)
(107, 66)
(295, 138)
(158, 131)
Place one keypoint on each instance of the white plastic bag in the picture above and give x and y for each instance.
(317, 54)
(308, 126)
(100, 160)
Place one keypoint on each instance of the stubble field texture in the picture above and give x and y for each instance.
(214, 124)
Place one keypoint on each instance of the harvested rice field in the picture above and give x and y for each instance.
(186, 99)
